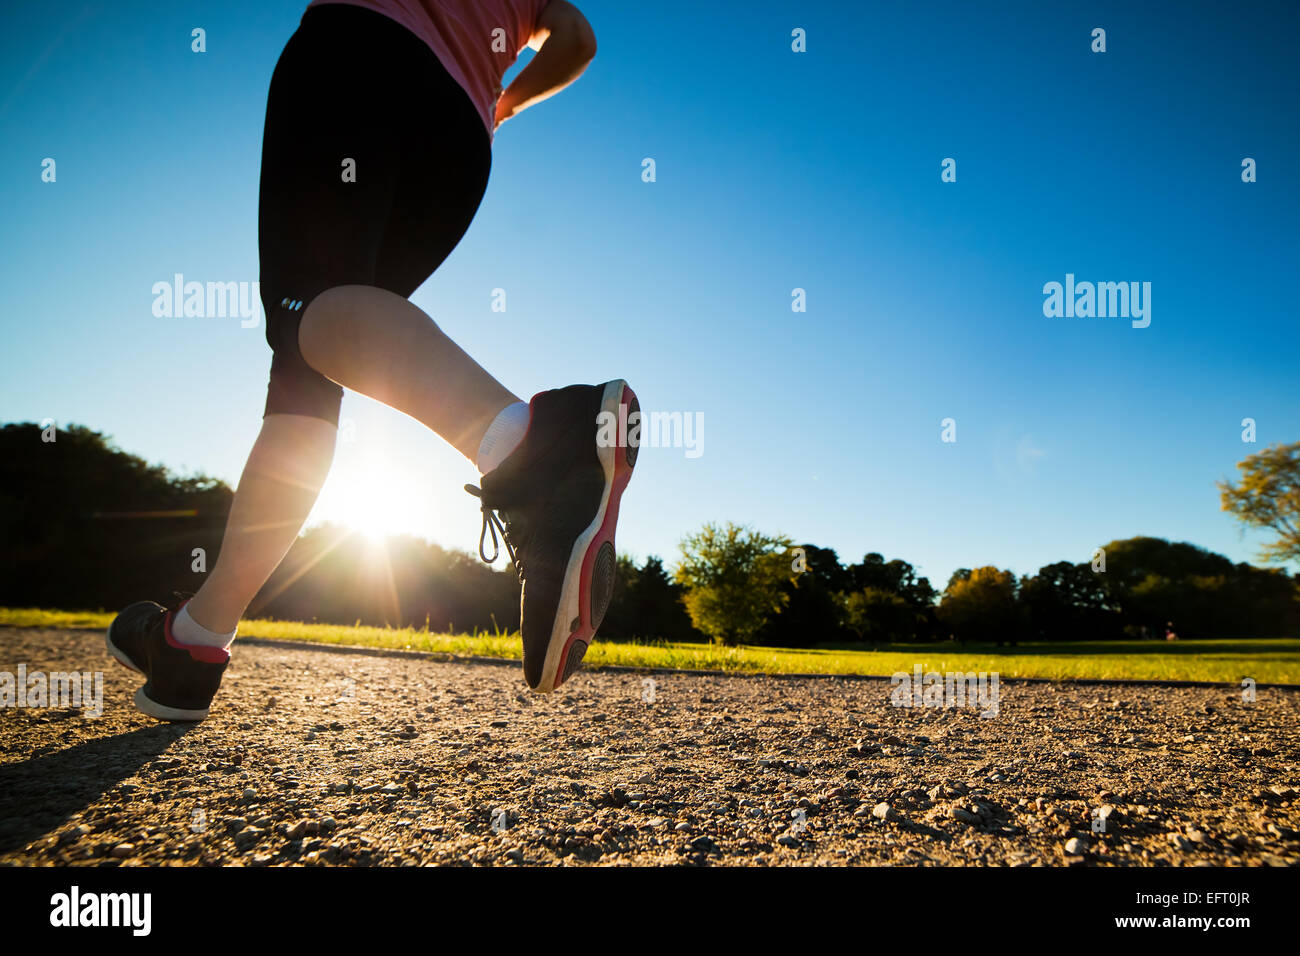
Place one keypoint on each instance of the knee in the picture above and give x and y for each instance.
(295, 388)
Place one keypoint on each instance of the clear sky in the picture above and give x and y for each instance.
(775, 170)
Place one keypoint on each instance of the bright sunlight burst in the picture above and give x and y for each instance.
(377, 497)
(395, 478)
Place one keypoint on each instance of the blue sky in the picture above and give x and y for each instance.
(775, 170)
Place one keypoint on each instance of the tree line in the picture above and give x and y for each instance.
(87, 526)
(741, 586)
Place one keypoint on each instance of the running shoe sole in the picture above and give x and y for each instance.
(589, 576)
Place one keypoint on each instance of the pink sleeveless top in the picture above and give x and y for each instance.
(476, 40)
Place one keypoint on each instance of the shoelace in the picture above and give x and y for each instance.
(174, 605)
(492, 524)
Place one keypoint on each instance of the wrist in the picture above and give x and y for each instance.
(506, 107)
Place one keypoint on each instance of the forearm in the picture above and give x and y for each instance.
(560, 61)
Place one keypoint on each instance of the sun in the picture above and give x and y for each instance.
(375, 502)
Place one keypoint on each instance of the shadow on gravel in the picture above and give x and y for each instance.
(38, 794)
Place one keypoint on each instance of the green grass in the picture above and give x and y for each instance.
(1268, 662)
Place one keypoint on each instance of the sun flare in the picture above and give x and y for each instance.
(376, 503)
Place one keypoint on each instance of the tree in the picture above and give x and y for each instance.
(1269, 497)
(86, 525)
(810, 613)
(961, 574)
(875, 614)
(1066, 602)
(332, 574)
(1151, 581)
(733, 577)
(896, 576)
(982, 606)
(647, 604)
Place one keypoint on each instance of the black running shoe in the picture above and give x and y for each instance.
(556, 500)
(181, 678)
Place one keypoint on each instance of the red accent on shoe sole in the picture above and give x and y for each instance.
(622, 475)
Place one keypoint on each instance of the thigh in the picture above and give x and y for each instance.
(330, 156)
(446, 158)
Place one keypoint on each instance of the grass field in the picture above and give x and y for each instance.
(1268, 662)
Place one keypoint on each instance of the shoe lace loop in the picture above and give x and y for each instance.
(493, 522)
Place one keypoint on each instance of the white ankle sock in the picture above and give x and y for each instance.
(189, 631)
(503, 436)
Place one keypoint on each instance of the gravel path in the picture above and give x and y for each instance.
(319, 758)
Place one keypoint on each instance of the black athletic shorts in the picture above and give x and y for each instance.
(354, 89)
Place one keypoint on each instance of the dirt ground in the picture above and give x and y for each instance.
(318, 758)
